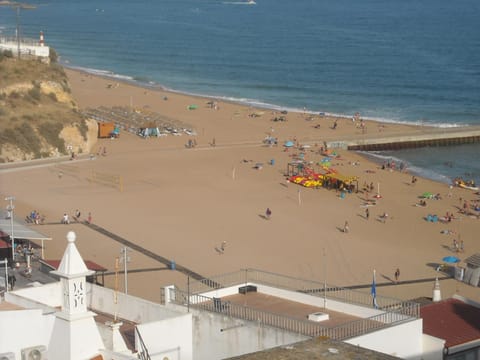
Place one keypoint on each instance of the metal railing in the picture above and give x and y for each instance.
(23, 41)
(311, 287)
(300, 326)
(143, 351)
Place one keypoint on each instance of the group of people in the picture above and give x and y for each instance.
(24, 250)
(458, 246)
(77, 215)
(191, 143)
(102, 151)
(392, 165)
(35, 218)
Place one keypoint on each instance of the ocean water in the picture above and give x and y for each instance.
(394, 61)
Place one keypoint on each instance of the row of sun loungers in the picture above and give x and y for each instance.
(135, 121)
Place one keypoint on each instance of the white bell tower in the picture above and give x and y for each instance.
(75, 335)
(437, 294)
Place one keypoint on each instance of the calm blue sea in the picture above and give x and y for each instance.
(392, 60)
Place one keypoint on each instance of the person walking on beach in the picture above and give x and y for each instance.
(268, 213)
(367, 213)
(89, 218)
(346, 229)
(65, 219)
(397, 275)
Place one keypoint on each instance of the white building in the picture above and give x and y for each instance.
(27, 47)
(218, 318)
(73, 319)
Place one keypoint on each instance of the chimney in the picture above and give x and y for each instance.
(437, 295)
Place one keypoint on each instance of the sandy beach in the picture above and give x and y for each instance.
(184, 203)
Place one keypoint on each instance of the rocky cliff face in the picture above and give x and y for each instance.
(38, 116)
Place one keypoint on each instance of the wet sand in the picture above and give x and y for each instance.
(183, 203)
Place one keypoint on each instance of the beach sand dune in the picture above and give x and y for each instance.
(183, 204)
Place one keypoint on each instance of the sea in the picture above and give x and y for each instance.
(396, 61)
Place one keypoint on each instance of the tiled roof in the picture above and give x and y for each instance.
(317, 349)
(452, 320)
(4, 245)
(90, 265)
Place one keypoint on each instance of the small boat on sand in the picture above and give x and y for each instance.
(469, 185)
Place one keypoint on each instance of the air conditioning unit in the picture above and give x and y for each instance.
(7, 356)
(35, 353)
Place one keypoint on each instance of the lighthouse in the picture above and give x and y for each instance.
(42, 39)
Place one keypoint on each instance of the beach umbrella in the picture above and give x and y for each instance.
(288, 143)
(451, 259)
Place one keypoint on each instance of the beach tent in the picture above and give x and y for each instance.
(337, 180)
(427, 195)
(289, 143)
(192, 107)
(147, 132)
(105, 129)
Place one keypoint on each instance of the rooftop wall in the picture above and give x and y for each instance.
(217, 336)
(35, 330)
(404, 340)
(27, 47)
(46, 296)
(127, 307)
(171, 338)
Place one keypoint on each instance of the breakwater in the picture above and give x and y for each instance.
(432, 137)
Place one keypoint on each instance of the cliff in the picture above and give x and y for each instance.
(38, 116)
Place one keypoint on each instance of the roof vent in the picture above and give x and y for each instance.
(7, 356)
(318, 316)
(34, 353)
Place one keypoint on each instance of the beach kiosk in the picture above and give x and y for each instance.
(98, 277)
(472, 270)
(342, 182)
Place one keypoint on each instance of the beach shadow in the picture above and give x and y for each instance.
(442, 268)
(447, 247)
(263, 217)
(284, 185)
(433, 265)
(340, 229)
(388, 278)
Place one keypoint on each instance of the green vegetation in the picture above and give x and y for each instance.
(22, 136)
(50, 131)
(29, 116)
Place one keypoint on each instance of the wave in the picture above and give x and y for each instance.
(139, 81)
(423, 172)
(146, 82)
(239, 3)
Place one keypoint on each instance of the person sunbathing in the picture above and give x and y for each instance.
(422, 203)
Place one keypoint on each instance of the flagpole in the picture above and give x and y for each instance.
(324, 279)
(373, 291)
